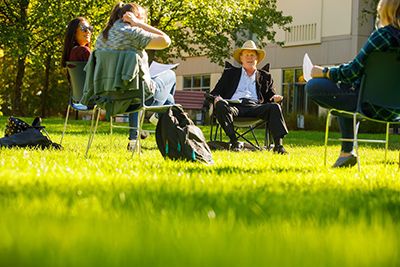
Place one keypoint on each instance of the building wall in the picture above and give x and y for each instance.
(330, 31)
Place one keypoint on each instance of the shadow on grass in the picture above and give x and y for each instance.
(241, 171)
(294, 138)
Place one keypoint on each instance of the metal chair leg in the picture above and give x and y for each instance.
(137, 143)
(242, 136)
(93, 131)
(65, 124)
(266, 138)
(211, 128)
(356, 140)
(326, 136)
(111, 130)
(255, 138)
(387, 141)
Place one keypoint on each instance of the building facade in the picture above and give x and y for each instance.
(331, 32)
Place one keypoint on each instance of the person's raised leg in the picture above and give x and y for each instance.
(341, 96)
(328, 94)
(165, 88)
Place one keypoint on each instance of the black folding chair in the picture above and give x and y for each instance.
(244, 126)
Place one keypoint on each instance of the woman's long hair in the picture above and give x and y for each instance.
(389, 10)
(118, 12)
(70, 41)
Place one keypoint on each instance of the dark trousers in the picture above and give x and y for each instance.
(270, 112)
(344, 96)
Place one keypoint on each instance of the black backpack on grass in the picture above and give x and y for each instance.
(18, 133)
(178, 138)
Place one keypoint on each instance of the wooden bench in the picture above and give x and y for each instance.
(192, 100)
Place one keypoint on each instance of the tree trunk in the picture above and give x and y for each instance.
(17, 105)
(17, 109)
(45, 87)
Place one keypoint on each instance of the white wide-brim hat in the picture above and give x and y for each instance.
(248, 45)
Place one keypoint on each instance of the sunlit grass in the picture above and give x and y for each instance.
(58, 208)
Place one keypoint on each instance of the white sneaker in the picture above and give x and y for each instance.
(154, 118)
(131, 145)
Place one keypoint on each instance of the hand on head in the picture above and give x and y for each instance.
(130, 18)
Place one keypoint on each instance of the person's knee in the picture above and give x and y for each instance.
(276, 108)
(171, 75)
(220, 105)
(318, 86)
(311, 87)
(222, 109)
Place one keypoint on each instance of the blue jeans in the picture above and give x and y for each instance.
(344, 96)
(164, 95)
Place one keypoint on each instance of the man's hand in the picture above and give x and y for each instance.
(276, 98)
(216, 99)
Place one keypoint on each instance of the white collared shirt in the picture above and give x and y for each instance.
(246, 87)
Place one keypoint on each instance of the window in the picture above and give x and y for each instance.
(196, 83)
(295, 97)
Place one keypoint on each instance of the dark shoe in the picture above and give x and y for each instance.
(237, 146)
(348, 161)
(280, 150)
(144, 135)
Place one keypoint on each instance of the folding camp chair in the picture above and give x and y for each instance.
(77, 81)
(378, 98)
(244, 126)
(133, 93)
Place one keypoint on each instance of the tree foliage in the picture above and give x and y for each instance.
(212, 27)
(370, 9)
(32, 81)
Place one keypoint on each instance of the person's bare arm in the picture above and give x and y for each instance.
(159, 41)
(317, 72)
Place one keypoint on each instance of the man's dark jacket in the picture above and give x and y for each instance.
(230, 78)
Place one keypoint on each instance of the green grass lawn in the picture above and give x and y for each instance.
(58, 208)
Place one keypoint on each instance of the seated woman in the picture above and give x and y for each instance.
(338, 87)
(77, 46)
(127, 30)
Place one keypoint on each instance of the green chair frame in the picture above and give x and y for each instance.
(380, 86)
(77, 82)
(141, 107)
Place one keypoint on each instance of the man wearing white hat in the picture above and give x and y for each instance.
(251, 93)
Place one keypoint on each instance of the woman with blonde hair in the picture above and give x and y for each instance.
(127, 29)
(338, 87)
